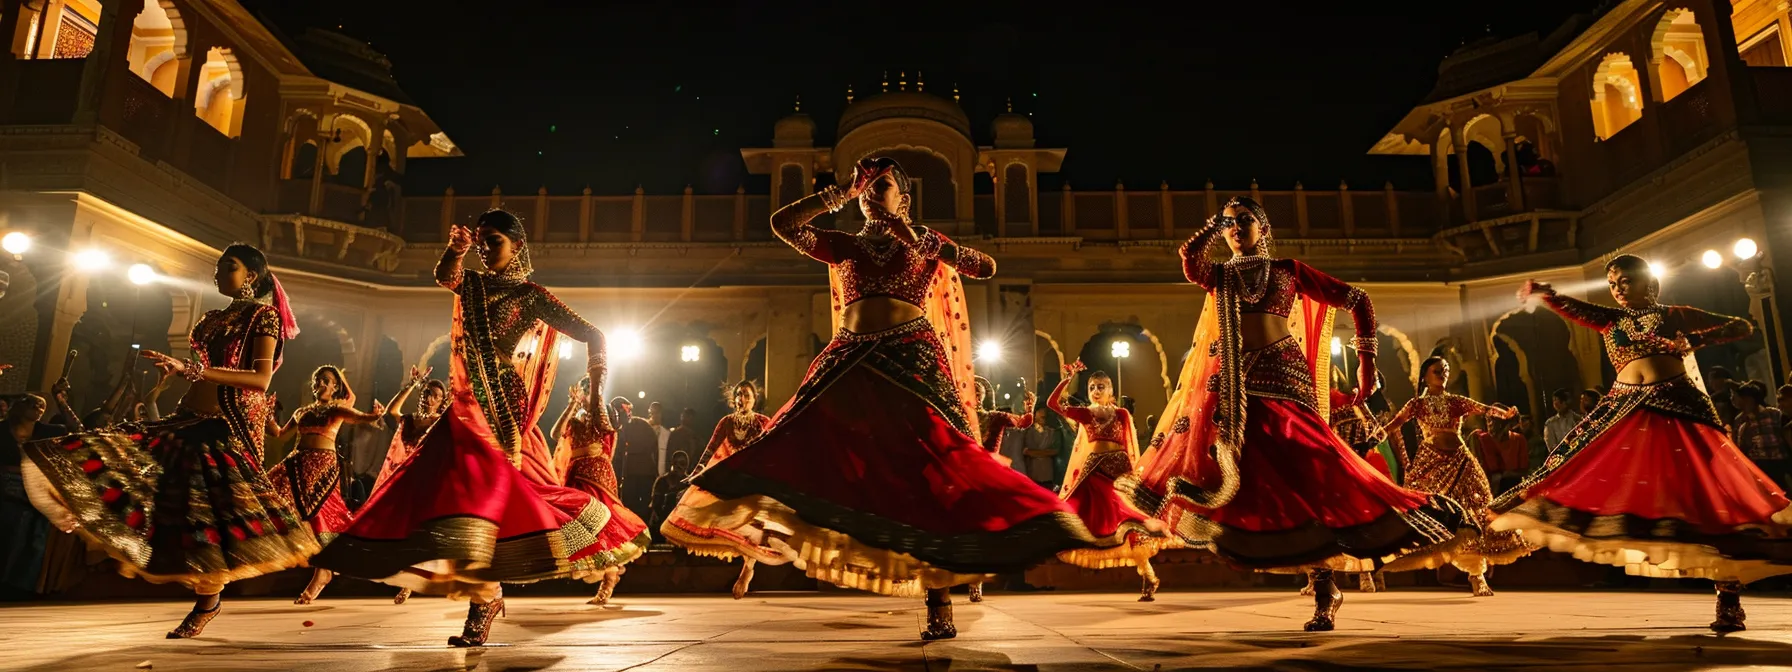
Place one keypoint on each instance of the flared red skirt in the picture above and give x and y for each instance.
(869, 479)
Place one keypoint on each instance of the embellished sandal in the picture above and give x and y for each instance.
(479, 623)
(194, 623)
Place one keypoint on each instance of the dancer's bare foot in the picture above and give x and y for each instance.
(744, 581)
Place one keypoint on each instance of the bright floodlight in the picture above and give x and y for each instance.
(1657, 270)
(641, 395)
(989, 351)
(625, 344)
(565, 349)
(1745, 248)
(141, 274)
(16, 243)
(1337, 346)
(1121, 350)
(1711, 259)
(92, 259)
(690, 353)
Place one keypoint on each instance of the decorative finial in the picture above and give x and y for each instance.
(902, 80)
(848, 94)
(955, 92)
(919, 86)
(1011, 103)
(886, 81)
(799, 103)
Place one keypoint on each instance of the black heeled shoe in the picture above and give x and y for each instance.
(479, 623)
(1730, 616)
(939, 617)
(1327, 599)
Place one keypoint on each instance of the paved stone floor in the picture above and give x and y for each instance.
(1045, 631)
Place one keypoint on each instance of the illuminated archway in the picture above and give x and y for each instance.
(1617, 95)
(220, 98)
(1677, 56)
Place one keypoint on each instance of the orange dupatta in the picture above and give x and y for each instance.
(1204, 421)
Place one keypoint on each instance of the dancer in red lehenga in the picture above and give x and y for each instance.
(1445, 466)
(479, 504)
(732, 433)
(1650, 481)
(310, 476)
(1244, 462)
(584, 458)
(993, 425)
(872, 477)
(1106, 448)
(183, 499)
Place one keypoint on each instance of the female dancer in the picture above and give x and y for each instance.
(1444, 465)
(583, 457)
(734, 432)
(1650, 481)
(184, 500)
(1106, 448)
(310, 476)
(411, 428)
(993, 425)
(871, 477)
(478, 504)
(1290, 496)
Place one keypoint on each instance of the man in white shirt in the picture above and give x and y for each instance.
(1557, 427)
(661, 431)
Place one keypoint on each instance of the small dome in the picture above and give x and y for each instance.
(1012, 131)
(910, 104)
(796, 130)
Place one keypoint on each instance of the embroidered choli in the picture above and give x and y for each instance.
(884, 267)
(1272, 285)
(1112, 429)
(317, 420)
(1439, 413)
(732, 433)
(1631, 335)
(223, 339)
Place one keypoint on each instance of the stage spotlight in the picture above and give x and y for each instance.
(91, 260)
(16, 243)
(141, 274)
(989, 351)
(1121, 349)
(1711, 259)
(625, 345)
(1658, 270)
(1745, 248)
(690, 353)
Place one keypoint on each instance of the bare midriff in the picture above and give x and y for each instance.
(877, 313)
(1652, 369)
(202, 398)
(1257, 330)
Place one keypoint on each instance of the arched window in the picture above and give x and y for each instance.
(1617, 95)
(1679, 52)
(220, 95)
(157, 43)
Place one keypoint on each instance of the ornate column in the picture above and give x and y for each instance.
(1465, 185)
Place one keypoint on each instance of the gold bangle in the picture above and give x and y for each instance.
(833, 198)
(1363, 344)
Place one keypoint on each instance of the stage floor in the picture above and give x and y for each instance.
(1048, 631)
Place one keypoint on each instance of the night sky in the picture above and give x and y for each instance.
(569, 95)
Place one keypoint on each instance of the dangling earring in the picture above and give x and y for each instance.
(246, 292)
(904, 213)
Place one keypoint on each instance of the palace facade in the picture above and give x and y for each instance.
(159, 131)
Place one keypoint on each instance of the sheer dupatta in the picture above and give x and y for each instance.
(476, 382)
(945, 311)
(1201, 432)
